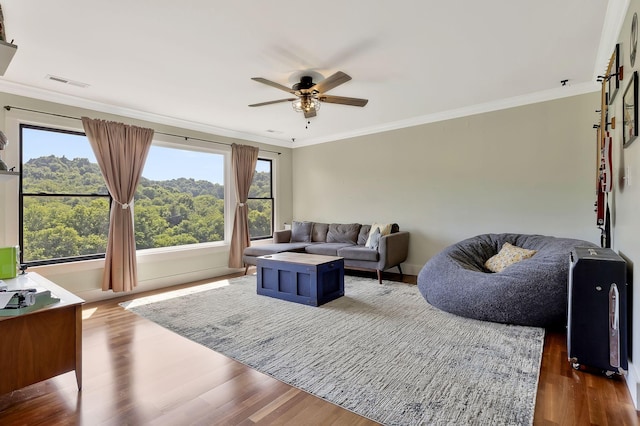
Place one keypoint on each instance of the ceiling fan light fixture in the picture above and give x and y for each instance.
(306, 104)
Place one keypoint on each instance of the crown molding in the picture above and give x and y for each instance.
(543, 96)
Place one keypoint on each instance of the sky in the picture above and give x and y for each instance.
(162, 163)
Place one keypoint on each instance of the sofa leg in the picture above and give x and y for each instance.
(246, 269)
(400, 269)
(379, 276)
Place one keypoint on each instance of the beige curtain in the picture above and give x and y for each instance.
(243, 166)
(121, 152)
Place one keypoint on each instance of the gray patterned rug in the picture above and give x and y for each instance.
(380, 351)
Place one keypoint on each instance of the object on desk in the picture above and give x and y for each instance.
(15, 302)
(17, 299)
(9, 262)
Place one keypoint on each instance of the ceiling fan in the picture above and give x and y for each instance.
(310, 94)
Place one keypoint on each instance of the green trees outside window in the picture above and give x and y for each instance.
(260, 201)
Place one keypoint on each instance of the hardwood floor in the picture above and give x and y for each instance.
(136, 372)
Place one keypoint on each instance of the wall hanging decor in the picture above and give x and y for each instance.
(630, 111)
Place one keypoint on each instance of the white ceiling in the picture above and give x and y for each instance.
(189, 63)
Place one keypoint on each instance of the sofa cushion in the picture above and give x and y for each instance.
(319, 232)
(359, 253)
(301, 232)
(364, 234)
(326, 249)
(343, 233)
(265, 249)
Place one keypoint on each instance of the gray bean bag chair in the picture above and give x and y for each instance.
(531, 292)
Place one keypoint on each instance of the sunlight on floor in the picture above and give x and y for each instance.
(87, 313)
(176, 293)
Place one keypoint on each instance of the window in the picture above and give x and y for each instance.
(260, 201)
(180, 198)
(64, 203)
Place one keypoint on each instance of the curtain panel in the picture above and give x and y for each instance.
(243, 166)
(121, 151)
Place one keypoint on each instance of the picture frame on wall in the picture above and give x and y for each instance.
(630, 111)
(614, 74)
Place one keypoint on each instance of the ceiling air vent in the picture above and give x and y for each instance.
(66, 81)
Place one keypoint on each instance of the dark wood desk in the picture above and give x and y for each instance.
(44, 343)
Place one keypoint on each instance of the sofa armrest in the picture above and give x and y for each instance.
(283, 236)
(393, 249)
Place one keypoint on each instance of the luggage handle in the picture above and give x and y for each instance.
(614, 323)
(614, 312)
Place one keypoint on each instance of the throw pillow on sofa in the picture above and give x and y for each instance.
(374, 239)
(384, 229)
(301, 232)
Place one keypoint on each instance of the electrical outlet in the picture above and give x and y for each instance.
(627, 176)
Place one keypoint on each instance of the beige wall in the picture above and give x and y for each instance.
(527, 170)
(157, 268)
(626, 196)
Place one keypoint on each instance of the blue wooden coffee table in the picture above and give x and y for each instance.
(309, 279)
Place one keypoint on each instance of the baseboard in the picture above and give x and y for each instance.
(410, 269)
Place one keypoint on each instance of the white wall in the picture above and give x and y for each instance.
(156, 268)
(527, 170)
(626, 197)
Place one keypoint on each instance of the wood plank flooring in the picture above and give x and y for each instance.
(136, 372)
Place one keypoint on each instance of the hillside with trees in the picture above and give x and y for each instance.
(74, 222)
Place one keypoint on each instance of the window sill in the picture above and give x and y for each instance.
(180, 252)
(143, 256)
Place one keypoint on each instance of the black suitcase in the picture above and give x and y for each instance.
(597, 316)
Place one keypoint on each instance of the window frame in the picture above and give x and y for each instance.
(271, 198)
(22, 194)
(198, 146)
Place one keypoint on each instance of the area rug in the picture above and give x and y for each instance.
(380, 350)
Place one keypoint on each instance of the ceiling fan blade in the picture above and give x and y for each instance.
(273, 102)
(332, 81)
(310, 113)
(343, 100)
(273, 84)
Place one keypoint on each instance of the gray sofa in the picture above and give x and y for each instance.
(345, 240)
